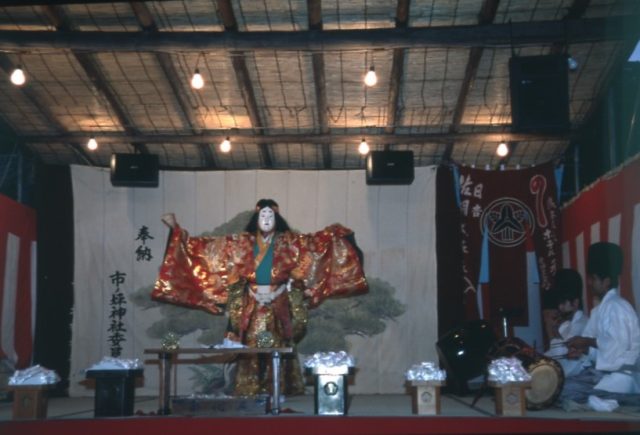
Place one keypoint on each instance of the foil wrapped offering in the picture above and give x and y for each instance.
(110, 363)
(228, 344)
(504, 370)
(36, 375)
(425, 371)
(330, 362)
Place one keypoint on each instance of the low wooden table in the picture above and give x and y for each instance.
(169, 357)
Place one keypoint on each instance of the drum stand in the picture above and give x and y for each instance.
(506, 314)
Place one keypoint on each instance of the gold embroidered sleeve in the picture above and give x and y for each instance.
(195, 272)
(328, 265)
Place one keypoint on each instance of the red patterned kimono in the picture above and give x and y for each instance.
(218, 274)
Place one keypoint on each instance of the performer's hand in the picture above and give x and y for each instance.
(579, 345)
(169, 220)
(574, 353)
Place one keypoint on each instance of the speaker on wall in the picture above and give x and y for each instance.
(134, 170)
(390, 167)
(539, 93)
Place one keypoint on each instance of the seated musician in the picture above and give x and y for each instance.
(572, 320)
(611, 338)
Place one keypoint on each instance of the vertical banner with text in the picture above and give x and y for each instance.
(504, 214)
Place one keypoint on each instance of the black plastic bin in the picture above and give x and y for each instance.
(115, 391)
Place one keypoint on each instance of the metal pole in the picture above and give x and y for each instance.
(275, 397)
(166, 359)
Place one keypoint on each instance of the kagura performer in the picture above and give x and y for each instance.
(264, 279)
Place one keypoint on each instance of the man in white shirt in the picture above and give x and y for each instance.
(611, 338)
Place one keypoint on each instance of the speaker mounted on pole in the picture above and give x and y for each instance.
(390, 167)
(134, 170)
(539, 93)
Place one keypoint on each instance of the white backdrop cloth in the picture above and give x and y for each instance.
(394, 226)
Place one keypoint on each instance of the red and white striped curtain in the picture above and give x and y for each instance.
(607, 210)
(17, 281)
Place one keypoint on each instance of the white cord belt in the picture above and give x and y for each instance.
(263, 294)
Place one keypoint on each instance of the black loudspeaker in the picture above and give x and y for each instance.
(539, 93)
(134, 170)
(390, 167)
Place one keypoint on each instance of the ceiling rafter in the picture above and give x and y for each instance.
(314, 8)
(169, 33)
(519, 34)
(9, 3)
(148, 24)
(353, 135)
(99, 81)
(244, 80)
(33, 99)
(486, 16)
(397, 70)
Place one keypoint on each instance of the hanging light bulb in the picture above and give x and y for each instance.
(92, 144)
(370, 79)
(225, 145)
(502, 150)
(17, 77)
(363, 148)
(197, 82)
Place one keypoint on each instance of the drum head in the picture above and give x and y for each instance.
(547, 380)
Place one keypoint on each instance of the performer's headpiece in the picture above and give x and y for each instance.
(267, 203)
(605, 260)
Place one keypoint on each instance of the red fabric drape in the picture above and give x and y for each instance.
(17, 253)
(512, 207)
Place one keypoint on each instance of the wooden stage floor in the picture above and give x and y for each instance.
(376, 414)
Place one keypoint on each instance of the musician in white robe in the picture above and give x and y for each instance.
(611, 338)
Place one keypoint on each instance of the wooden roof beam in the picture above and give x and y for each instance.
(486, 16)
(397, 68)
(501, 35)
(314, 8)
(352, 135)
(147, 22)
(243, 79)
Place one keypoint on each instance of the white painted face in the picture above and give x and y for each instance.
(266, 220)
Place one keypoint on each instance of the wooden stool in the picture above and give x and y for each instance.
(426, 397)
(510, 399)
(30, 401)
